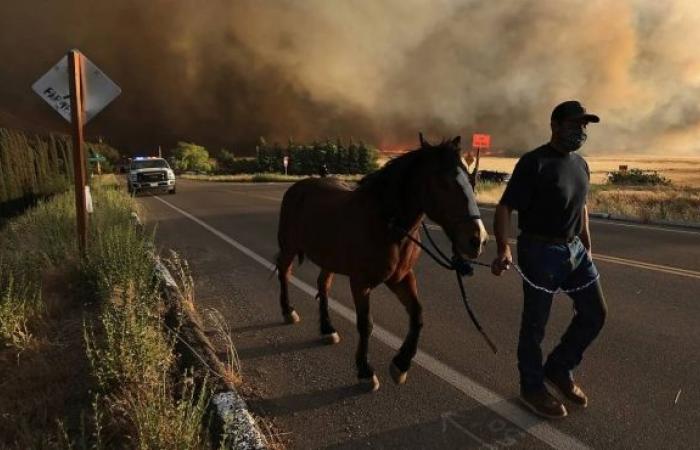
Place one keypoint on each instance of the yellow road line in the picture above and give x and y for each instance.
(627, 262)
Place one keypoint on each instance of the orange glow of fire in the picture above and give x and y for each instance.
(394, 147)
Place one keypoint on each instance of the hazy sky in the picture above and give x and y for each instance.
(223, 72)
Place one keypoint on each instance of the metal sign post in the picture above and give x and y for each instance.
(285, 161)
(479, 141)
(76, 80)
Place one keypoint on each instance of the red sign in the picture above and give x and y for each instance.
(481, 140)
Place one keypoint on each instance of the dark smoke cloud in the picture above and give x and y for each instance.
(223, 72)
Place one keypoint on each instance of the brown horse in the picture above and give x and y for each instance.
(361, 233)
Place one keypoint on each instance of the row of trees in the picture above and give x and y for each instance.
(31, 167)
(306, 159)
(34, 166)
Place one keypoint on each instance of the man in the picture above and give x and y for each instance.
(323, 170)
(548, 188)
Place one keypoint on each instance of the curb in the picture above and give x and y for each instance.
(232, 427)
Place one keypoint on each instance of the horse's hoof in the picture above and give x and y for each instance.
(370, 384)
(331, 339)
(292, 317)
(397, 375)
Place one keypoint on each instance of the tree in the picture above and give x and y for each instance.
(189, 156)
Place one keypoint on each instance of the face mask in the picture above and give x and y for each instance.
(573, 140)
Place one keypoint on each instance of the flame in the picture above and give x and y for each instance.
(396, 147)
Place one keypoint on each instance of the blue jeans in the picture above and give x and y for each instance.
(553, 266)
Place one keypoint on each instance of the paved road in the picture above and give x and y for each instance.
(641, 375)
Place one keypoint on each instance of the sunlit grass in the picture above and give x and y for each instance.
(131, 353)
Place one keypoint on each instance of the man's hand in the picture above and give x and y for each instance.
(502, 262)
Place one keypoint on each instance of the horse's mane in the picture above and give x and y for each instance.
(392, 173)
(388, 183)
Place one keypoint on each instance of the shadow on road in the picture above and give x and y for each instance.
(259, 326)
(278, 349)
(306, 401)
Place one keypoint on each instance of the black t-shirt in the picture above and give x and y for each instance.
(548, 189)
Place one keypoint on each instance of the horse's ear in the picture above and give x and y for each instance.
(423, 143)
(457, 141)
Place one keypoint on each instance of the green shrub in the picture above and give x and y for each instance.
(637, 177)
(228, 164)
(191, 157)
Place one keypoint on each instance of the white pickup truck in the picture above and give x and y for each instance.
(150, 174)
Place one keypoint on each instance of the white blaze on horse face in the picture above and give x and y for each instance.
(483, 234)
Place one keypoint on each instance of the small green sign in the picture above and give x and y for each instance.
(97, 158)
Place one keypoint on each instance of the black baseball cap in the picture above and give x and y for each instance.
(572, 110)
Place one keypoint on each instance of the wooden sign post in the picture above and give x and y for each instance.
(77, 84)
(77, 90)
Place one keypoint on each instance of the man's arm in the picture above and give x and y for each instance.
(586, 231)
(501, 226)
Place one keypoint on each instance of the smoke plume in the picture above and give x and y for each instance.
(224, 72)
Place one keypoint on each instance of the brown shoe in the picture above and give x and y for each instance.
(543, 404)
(568, 389)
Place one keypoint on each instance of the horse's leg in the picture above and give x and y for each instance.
(328, 333)
(407, 292)
(284, 270)
(365, 372)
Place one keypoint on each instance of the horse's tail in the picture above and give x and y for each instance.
(291, 204)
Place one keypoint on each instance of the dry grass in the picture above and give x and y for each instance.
(47, 382)
(682, 171)
(678, 202)
(224, 336)
(71, 326)
(662, 203)
(489, 193)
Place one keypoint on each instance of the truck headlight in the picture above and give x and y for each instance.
(171, 175)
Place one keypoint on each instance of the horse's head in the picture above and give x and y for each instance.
(448, 197)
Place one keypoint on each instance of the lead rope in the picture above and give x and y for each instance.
(517, 269)
(461, 267)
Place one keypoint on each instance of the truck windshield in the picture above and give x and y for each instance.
(149, 164)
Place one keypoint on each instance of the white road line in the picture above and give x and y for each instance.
(516, 415)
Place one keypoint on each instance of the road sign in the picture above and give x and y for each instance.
(99, 90)
(96, 158)
(77, 90)
(285, 161)
(481, 141)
